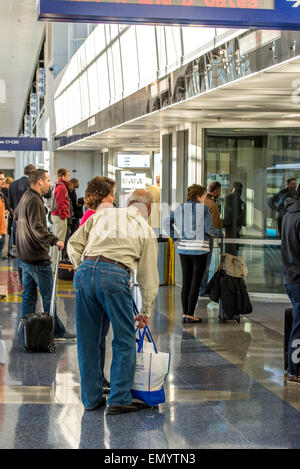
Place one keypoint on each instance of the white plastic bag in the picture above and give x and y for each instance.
(151, 371)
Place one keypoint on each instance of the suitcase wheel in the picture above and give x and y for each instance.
(52, 348)
(238, 319)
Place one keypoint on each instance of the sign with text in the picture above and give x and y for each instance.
(21, 144)
(130, 181)
(132, 160)
(262, 14)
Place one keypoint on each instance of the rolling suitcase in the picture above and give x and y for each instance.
(65, 270)
(36, 332)
(288, 322)
(236, 301)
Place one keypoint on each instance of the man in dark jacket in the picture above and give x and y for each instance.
(279, 201)
(290, 253)
(15, 193)
(19, 187)
(234, 217)
(33, 241)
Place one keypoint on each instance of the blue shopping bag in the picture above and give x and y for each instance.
(152, 368)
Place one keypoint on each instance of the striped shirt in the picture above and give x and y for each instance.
(191, 223)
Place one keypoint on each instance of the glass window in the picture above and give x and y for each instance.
(129, 61)
(103, 81)
(254, 168)
(195, 38)
(147, 61)
(174, 50)
(161, 49)
(93, 90)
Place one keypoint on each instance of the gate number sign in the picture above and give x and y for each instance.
(262, 14)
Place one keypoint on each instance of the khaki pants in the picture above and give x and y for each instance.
(60, 231)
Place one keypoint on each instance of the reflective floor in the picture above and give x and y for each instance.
(225, 389)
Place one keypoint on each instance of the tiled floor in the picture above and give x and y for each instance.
(225, 389)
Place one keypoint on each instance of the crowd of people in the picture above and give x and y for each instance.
(106, 245)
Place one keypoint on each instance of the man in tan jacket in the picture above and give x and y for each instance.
(213, 193)
(106, 250)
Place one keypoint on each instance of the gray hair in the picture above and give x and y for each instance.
(141, 196)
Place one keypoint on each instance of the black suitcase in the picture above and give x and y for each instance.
(236, 301)
(65, 270)
(288, 322)
(36, 332)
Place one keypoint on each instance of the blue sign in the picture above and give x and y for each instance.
(262, 14)
(21, 144)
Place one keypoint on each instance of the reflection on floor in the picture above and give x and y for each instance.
(225, 389)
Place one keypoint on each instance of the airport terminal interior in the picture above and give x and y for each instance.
(167, 106)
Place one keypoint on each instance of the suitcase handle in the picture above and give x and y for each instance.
(53, 296)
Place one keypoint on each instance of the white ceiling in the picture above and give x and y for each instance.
(263, 100)
(20, 41)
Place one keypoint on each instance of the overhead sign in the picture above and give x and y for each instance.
(133, 160)
(21, 144)
(262, 14)
(130, 181)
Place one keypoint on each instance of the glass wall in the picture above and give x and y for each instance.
(253, 166)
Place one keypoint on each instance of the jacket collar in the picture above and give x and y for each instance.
(35, 192)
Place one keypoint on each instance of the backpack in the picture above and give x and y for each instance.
(50, 200)
(234, 266)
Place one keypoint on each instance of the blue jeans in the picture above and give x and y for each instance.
(207, 274)
(103, 296)
(38, 277)
(293, 292)
(2, 244)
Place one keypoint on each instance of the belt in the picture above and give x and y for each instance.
(109, 261)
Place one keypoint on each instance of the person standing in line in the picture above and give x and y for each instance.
(3, 286)
(191, 223)
(15, 193)
(3, 189)
(9, 181)
(98, 195)
(33, 241)
(19, 187)
(60, 215)
(213, 193)
(94, 194)
(290, 254)
(77, 209)
(3, 212)
(278, 202)
(106, 250)
(154, 219)
(234, 216)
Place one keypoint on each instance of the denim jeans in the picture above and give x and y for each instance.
(2, 244)
(207, 274)
(103, 296)
(38, 277)
(293, 292)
